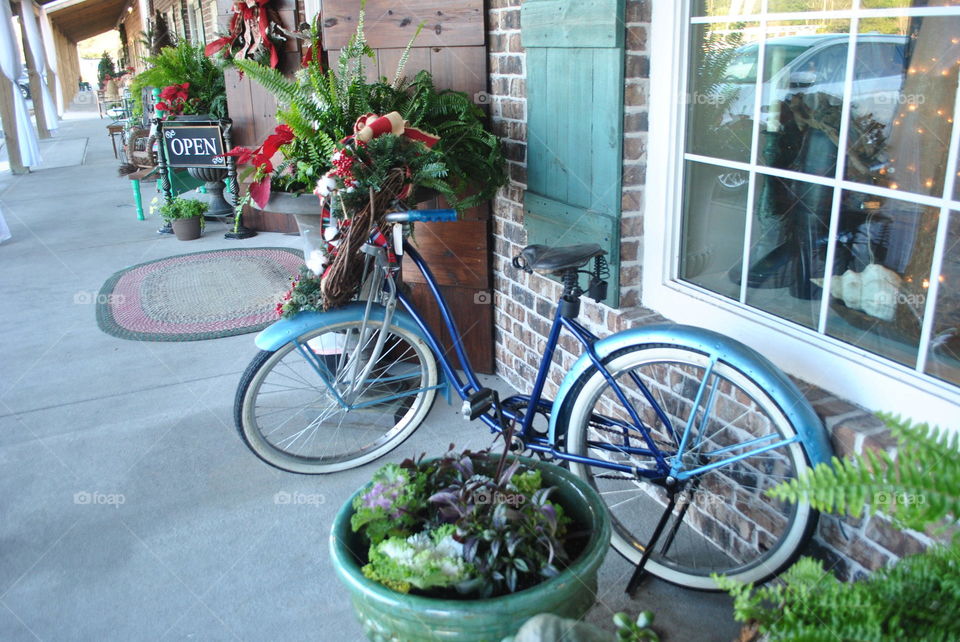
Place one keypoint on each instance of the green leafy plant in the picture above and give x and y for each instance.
(917, 598)
(466, 522)
(321, 107)
(184, 63)
(105, 68)
(635, 630)
(182, 208)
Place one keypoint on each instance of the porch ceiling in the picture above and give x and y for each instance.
(82, 19)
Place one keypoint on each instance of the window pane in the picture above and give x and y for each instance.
(896, 4)
(802, 95)
(721, 8)
(956, 184)
(788, 248)
(943, 358)
(713, 225)
(905, 81)
(720, 99)
(881, 273)
(807, 5)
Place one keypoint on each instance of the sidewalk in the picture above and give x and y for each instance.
(198, 548)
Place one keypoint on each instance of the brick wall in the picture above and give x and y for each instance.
(524, 302)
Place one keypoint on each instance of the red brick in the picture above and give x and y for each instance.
(898, 542)
(634, 148)
(635, 95)
(636, 38)
(637, 10)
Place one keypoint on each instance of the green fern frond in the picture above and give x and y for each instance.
(271, 80)
(402, 63)
(917, 598)
(918, 488)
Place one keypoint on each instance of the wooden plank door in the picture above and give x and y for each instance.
(575, 73)
(452, 47)
(254, 110)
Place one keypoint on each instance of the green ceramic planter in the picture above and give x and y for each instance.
(388, 615)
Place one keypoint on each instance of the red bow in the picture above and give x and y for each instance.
(370, 126)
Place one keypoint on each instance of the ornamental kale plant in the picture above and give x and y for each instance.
(467, 523)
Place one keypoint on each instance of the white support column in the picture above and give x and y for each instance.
(53, 69)
(13, 107)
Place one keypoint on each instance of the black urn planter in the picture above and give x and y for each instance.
(213, 183)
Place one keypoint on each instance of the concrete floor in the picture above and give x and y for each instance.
(198, 548)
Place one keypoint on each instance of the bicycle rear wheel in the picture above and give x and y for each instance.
(722, 521)
(337, 397)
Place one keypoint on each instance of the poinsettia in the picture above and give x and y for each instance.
(261, 159)
(175, 99)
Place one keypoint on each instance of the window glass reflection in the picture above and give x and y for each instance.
(723, 8)
(878, 294)
(722, 81)
(714, 219)
(943, 358)
(901, 115)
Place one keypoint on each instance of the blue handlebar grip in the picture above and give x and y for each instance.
(432, 216)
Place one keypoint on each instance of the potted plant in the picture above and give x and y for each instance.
(185, 216)
(468, 546)
(320, 107)
(189, 81)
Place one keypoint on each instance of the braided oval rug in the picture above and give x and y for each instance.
(202, 295)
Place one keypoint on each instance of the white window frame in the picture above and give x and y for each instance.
(842, 369)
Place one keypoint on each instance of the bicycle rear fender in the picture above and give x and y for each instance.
(743, 358)
(284, 331)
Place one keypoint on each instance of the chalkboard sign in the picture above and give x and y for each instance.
(191, 145)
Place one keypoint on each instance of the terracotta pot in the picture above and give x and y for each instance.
(186, 229)
(388, 615)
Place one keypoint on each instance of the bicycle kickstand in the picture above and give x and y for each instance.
(639, 572)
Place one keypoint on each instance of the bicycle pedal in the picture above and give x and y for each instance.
(478, 403)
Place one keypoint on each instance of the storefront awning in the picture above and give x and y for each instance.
(82, 19)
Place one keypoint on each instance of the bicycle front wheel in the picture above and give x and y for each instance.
(722, 521)
(337, 397)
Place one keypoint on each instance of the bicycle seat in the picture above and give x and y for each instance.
(546, 259)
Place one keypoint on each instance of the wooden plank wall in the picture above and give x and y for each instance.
(452, 47)
(254, 110)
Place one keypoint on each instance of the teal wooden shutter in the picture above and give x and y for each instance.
(574, 55)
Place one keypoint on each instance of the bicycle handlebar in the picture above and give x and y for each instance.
(425, 216)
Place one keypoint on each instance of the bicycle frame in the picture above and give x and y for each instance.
(663, 464)
(534, 402)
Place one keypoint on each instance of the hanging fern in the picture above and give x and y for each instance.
(180, 64)
(919, 597)
(321, 107)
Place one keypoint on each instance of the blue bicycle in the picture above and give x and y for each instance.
(680, 429)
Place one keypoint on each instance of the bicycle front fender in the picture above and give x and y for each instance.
(284, 331)
(725, 349)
